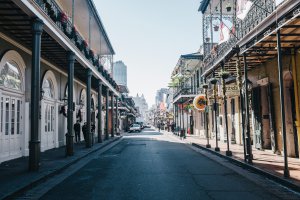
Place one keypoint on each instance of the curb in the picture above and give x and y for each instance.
(54, 172)
(252, 168)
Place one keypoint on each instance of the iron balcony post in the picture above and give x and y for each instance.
(106, 116)
(228, 152)
(69, 135)
(35, 143)
(88, 110)
(206, 118)
(239, 84)
(283, 126)
(117, 116)
(247, 120)
(112, 115)
(99, 111)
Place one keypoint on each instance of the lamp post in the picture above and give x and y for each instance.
(225, 75)
(205, 87)
(214, 81)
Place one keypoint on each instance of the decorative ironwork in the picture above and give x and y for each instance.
(213, 54)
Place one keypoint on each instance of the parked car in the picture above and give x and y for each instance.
(148, 126)
(135, 128)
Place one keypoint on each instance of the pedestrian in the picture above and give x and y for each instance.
(159, 127)
(84, 131)
(77, 131)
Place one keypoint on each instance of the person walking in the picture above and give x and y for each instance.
(77, 131)
(84, 131)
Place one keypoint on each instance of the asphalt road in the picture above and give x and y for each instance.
(152, 166)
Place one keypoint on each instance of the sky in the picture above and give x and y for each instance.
(149, 36)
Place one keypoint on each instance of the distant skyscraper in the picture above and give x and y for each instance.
(120, 73)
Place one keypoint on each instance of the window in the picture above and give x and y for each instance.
(6, 115)
(10, 76)
(48, 88)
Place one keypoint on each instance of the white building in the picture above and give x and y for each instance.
(141, 103)
(120, 73)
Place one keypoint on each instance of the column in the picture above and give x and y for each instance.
(224, 76)
(89, 136)
(112, 115)
(99, 111)
(117, 116)
(282, 110)
(70, 135)
(247, 118)
(106, 116)
(35, 144)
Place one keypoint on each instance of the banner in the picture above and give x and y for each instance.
(242, 8)
(224, 33)
(200, 102)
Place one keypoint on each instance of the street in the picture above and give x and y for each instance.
(150, 165)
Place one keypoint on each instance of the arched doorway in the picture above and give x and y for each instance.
(12, 136)
(290, 118)
(48, 111)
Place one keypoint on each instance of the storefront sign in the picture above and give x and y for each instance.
(231, 90)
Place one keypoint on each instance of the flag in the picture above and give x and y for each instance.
(242, 8)
(224, 33)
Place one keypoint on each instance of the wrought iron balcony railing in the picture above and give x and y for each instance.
(59, 17)
(258, 12)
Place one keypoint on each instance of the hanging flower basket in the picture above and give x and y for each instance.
(224, 74)
(207, 39)
(213, 81)
(216, 28)
(228, 7)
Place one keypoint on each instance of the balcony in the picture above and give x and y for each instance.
(183, 92)
(259, 11)
(62, 21)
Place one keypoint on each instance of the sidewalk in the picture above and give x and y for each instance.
(262, 160)
(15, 177)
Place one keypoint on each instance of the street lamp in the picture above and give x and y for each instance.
(214, 81)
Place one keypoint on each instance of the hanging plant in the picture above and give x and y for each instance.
(205, 86)
(224, 74)
(74, 33)
(207, 39)
(48, 3)
(216, 28)
(63, 111)
(213, 80)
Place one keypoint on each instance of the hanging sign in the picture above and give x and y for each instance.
(200, 102)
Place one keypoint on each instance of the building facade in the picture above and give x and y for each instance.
(52, 75)
(142, 105)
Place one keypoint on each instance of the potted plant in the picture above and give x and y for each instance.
(228, 7)
(63, 19)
